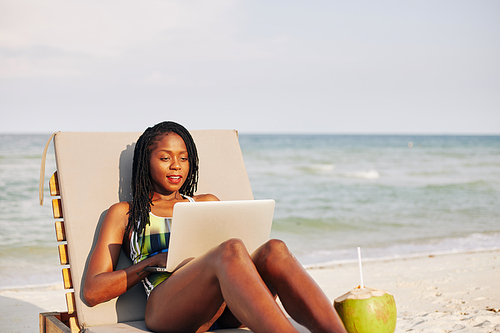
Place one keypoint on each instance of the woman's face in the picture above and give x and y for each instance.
(169, 164)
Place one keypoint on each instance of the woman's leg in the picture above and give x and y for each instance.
(308, 305)
(193, 295)
(301, 297)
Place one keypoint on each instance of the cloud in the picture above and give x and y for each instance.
(79, 33)
(104, 28)
(39, 61)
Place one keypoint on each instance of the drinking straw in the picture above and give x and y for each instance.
(360, 268)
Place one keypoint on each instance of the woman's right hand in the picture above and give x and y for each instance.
(159, 260)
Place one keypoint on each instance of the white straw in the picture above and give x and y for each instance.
(360, 268)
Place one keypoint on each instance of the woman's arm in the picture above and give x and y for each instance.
(102, 282)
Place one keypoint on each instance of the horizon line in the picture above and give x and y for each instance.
(285, 133)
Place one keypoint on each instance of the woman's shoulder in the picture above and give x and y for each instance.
(118, 212)
(121, 208)
(115, 222)
(205, 197)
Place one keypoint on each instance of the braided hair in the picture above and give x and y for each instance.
(142, 187)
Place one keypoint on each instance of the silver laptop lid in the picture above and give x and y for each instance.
(198, 227)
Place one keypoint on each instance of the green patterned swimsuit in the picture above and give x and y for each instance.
(155, 238)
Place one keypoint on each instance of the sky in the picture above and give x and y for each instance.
(374, 67)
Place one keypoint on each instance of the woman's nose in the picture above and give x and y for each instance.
(175, 164)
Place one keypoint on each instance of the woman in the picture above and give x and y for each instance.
(226, 287)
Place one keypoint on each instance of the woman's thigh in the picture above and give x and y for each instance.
(192, 295)
(189, 298)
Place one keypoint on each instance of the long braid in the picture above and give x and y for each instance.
(142, 188)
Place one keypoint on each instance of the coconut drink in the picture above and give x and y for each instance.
(367, 310)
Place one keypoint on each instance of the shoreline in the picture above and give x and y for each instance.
(325, 265)
(334, 263)
(453, 292)
(320, 265)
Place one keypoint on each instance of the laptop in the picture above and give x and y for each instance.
(198, 227)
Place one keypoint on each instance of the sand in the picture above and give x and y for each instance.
(440, 293)
(20, 307)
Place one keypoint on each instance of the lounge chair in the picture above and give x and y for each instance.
(93, 172)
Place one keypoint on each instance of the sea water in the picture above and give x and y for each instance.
(392, 195)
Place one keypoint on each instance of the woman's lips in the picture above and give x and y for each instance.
(174, 179)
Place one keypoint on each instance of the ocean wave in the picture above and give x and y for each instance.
(327, 264)
(428, 173)
(371, 174)
(477, 184)
(29, 269)
(318, 168)
(402, 249)
(330, 170)
(20, 156)
(299, 225)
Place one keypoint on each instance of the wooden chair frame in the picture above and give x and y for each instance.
(51, 322)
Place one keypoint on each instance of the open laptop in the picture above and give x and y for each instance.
(198, 227)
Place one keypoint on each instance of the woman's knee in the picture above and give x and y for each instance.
(232, 250)
(271, 251)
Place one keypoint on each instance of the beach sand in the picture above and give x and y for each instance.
(439, 293)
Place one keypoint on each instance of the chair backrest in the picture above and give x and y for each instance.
(94, 171)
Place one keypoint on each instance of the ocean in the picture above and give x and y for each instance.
(392, 195)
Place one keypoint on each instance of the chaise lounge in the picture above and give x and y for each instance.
(93, 172)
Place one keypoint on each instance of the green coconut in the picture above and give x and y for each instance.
(367, 310)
